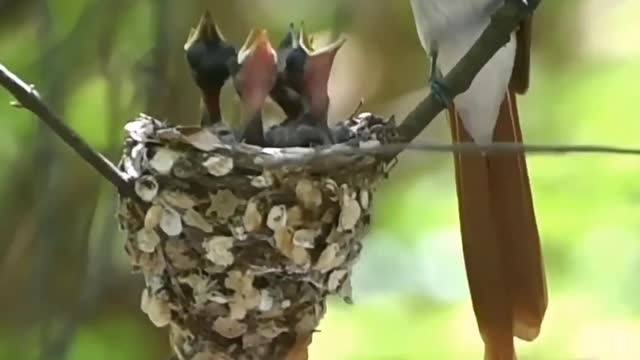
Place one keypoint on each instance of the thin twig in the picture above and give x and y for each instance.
(510, 147)
(158, 83)
(496, 35)
(45, 186)
(497, 147)
(29, 98)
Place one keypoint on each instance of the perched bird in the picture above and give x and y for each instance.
(305, 72)
(254, 75)
(501, 245)
(209, 55)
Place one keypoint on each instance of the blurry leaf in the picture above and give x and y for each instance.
(87, 111)
(66, 14)
(409, 209)
(116, 338)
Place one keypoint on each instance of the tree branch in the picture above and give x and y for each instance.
(505, 20)
(298, 158)
(29, 98)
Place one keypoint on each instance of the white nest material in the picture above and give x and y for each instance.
(239, 245)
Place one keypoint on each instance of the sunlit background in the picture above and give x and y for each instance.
(66, 291)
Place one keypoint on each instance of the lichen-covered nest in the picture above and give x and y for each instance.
(239, 245)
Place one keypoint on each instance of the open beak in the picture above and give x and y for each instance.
(290, 39)
(317, 71)
(257, 75)
(206, 30)
(305, 39)
(297, 39)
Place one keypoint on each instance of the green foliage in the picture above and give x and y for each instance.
(587, 205)
(119, 338)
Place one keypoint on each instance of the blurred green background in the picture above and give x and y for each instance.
(66, 291)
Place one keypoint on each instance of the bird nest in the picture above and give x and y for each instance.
(239, 245)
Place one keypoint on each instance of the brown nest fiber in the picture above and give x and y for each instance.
(240, 246)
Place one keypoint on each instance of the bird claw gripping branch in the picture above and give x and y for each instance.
(295, 76)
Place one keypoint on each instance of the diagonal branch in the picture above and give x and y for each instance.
(29, 98)
(503, 22)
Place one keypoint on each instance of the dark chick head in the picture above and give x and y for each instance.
(284, 92)
(293, 56)
(290, 39)
(208, 55)
(304, 69)
(293, 41)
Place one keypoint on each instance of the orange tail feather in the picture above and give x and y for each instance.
(518, 232)
(481, 249)
(500, 238)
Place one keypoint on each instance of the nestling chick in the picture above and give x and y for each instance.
(304, 72)
(208, 56)
(254, 75)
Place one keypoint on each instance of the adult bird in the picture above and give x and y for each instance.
(208, 55)
(501, 245)
(254, 75)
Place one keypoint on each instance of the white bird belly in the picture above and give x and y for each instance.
(453, 26)
(479, 106)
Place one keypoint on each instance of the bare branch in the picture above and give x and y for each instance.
(294, 158)
(496, 35)
(158, 82)
(29, 98)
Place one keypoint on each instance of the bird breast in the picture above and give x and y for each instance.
(452, 26)
(443, 21)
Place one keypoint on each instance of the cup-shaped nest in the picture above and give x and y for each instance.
(239, 245)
